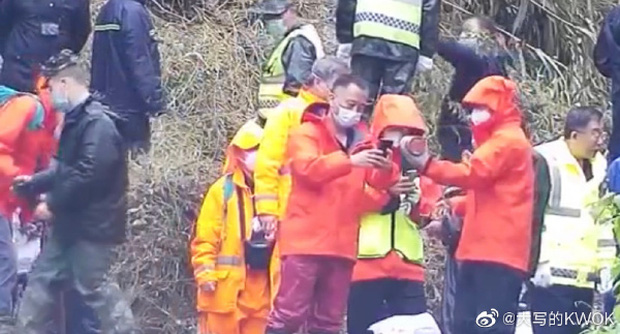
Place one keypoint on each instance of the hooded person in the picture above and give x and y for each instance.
(389, 272)
(474, 55)
(230, 258)
(331, 160)
(289, 65)
(494, 248)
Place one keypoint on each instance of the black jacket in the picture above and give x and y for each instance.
(125, 60)
(606, 52)
(31, 31)
(542, 191)
(376, 47)
(297, 59)
(87, 186)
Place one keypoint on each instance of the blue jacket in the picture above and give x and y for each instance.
(125, 62)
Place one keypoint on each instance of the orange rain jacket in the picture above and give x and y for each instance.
(327, 196)
(398, 111)
(217, 249)
(23, 150)
(499, 180)
(272, 175)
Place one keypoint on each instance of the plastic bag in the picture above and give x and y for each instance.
(406, 324)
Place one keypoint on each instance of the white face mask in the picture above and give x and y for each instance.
(479, 116)
(347, 118)
(249, 161)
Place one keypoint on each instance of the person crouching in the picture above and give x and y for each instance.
(230, 253)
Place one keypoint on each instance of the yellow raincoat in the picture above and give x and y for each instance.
(241, 299)
(271, 177)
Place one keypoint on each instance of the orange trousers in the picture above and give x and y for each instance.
(230, 323)
(250, 317)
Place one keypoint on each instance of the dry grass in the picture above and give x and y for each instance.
(211, 56)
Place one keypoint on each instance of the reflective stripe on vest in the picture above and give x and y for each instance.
(377, 237)
(393, 20)
(228, 260)
(571, 240)
(270, 92)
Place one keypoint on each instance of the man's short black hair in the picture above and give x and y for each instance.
(347, 79)
(65, 63)
(579, 117)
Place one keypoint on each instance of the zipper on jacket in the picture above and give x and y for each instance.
(393, 231)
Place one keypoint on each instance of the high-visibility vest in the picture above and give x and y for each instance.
(380, 234)
(571, 241)
(270, 92)
(393, 20)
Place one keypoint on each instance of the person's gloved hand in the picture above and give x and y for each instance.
(414, 150)
(542, 277)
(269, 224)
(607, 281)
(424, 64)
(344, 51)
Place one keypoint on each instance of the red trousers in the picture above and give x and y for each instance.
(313, 289)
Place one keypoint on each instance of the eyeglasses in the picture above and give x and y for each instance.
(596, 133)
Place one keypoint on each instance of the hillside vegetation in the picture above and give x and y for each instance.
(211, 54)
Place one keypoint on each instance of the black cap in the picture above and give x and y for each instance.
(66, 58)
(271, 7)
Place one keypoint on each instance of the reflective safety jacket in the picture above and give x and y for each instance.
(272, 178)
(277, 71)
(390, 244)
(217, 247)
(394, 20)
(571, 241)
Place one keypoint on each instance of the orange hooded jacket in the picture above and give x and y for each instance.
(327, 195)
(23, 150)
(398, 111)
(499, 180)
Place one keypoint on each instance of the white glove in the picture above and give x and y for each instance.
(607, 281)
(406, 324)
(542, 277)
(344, 51)
(424, 64)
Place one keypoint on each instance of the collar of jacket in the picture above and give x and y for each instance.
(77, 111)
(307, 96)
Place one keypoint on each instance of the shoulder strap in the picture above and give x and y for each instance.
(241, 209)
(229, 188)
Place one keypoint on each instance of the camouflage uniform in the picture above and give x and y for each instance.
(83, 264)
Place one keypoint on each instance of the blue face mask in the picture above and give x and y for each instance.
(60, 103)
